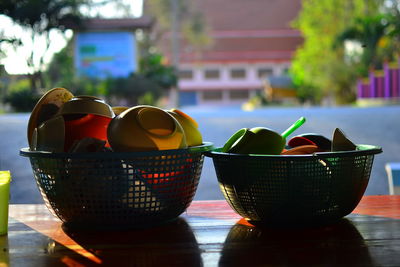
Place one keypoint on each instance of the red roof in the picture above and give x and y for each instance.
(249, 14)
(246, 30)
(98, 24)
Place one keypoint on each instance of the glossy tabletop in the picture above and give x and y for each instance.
(209, 233)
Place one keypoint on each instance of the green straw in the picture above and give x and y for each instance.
(294, 127)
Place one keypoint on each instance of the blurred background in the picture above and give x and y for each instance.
(229, 64)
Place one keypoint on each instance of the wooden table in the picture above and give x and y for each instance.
(208, 234)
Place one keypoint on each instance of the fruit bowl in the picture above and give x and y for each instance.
(294, 190)
(115, 190)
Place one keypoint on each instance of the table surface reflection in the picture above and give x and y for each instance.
(209, 233)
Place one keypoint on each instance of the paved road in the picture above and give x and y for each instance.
(375, 125)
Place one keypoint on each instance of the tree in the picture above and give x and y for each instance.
(185, 23)
(319, 67)
(390, 43)
(377, 37)
(368, 32)
(132, 89)
(40, 18)
(151, 66)
(192, 26)
(4, 40)
(61, 68)
(144, 87)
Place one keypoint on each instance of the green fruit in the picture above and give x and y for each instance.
(258, 140)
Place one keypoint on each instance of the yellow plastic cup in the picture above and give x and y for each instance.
(145, 128)
(5, 178)
(4, 248)
(190, 127)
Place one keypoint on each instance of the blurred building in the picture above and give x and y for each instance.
(252, 40)
(107, 47)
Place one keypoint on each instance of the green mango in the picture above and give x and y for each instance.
(257, 140)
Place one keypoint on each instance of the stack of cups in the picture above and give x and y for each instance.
(5, 179)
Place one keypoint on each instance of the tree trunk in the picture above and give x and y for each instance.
(36, 81)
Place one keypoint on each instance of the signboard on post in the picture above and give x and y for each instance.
(105, 54)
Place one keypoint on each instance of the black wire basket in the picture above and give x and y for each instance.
(294, 190)
(115, 190)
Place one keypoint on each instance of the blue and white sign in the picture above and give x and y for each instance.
(105, 54)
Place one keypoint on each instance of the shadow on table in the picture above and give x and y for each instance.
(338, 244)
(24, 246)
(173, 244)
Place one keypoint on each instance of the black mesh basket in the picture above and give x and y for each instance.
(294, 190)
(111, 190)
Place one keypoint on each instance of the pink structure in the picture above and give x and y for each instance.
(381, 84)
(364, 89)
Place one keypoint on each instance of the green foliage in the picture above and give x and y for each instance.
(41, 17)
(61, 72)
(87, 86)
(44, 15)
(192, 23)
(20, 96)
(61, 68)
(320, 67)
(38, 18)
(133, 89)
(144, 87)
(147, 99)
(152, 67)
(368, 32)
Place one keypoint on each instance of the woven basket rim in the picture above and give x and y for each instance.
(362, 150)
(205, 147)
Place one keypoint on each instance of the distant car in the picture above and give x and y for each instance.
(279, 88)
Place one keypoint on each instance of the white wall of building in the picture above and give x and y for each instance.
(225, 83)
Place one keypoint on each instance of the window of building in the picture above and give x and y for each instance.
(212, 95)
(186, 74)
(264, 72)
(238, 94)
(211, 74)
(238, 73)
